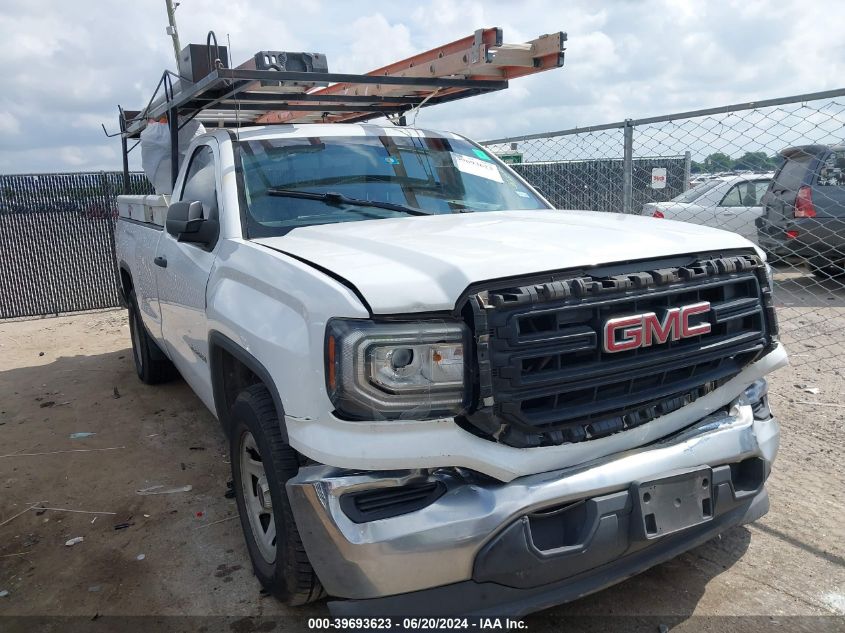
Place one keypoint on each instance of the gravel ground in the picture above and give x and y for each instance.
(183, 553)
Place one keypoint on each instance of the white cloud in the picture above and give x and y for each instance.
(375, 43)
(9, 124)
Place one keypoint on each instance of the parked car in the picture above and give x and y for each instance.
(804, 209)
(731, 203)
(697, 180)
(441, 394)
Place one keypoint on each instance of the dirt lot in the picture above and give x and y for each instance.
(183, 553)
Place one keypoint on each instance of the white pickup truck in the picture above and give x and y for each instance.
(442, 395)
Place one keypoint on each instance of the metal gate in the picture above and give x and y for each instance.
(57, 242)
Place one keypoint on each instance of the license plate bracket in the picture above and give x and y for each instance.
(674, 503)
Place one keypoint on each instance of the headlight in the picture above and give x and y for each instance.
(396, 370)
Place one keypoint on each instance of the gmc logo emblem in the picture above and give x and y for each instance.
(643, 330)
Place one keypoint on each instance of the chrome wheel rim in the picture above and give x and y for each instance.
(257, 499)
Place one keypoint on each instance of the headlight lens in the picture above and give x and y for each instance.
(396, 370)
(416, 368)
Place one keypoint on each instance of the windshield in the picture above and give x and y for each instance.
(696, 192)
(414, 175)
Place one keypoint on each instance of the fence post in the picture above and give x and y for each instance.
(628, 168)
(687, 169)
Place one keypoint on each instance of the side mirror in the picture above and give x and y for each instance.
(186, 224)
(180, 215)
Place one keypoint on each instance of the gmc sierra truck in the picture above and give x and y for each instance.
(442, 395)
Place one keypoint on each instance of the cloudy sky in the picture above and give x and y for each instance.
(68, 64)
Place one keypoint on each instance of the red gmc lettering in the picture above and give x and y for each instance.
(687, 312)
(643, 330)
(631, 330)
(657, 332)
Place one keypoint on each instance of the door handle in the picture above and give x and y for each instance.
(160, 261)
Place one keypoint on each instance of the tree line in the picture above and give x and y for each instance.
(718, 161)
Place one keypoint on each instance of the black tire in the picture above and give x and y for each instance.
(152, 366)
(289, 577)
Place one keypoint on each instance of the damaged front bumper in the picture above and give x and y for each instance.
(481, 546)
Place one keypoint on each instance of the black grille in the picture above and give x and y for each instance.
(383, 503)
(548, 378)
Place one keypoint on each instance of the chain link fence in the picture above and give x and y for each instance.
(57, 242)
(772, 171)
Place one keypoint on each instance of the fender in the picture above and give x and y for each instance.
(217, 343)
(122, 295)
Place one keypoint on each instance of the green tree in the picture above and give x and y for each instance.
(718, 162)
(757, 161)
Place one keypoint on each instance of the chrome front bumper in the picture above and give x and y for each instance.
(440, 544)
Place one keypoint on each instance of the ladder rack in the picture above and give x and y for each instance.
(241, 97)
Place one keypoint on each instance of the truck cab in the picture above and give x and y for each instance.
(441, 394)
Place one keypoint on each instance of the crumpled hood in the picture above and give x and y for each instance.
(422, 264)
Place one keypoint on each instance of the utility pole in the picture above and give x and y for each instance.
(171, 29)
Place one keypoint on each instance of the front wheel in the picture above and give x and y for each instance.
(262, 463)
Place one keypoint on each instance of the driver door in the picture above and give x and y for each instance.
(182, 273)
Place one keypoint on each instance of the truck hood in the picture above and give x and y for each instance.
(423, 264)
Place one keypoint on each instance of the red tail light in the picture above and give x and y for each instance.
(804, 207)
(791, 235)
(658, 214)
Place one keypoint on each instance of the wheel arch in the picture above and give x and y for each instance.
(126, 283)
(232, 369)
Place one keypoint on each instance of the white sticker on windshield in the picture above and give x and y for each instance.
(476, 167)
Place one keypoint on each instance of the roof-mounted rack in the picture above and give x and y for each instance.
(264, 91)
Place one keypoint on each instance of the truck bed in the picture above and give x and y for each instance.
(151, 209)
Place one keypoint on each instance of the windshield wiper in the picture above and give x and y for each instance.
(339, 199)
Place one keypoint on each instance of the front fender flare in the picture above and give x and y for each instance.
(218, 343)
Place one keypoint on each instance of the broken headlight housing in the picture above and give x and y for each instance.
(767, 282)
(394, 370)
(770, 275)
